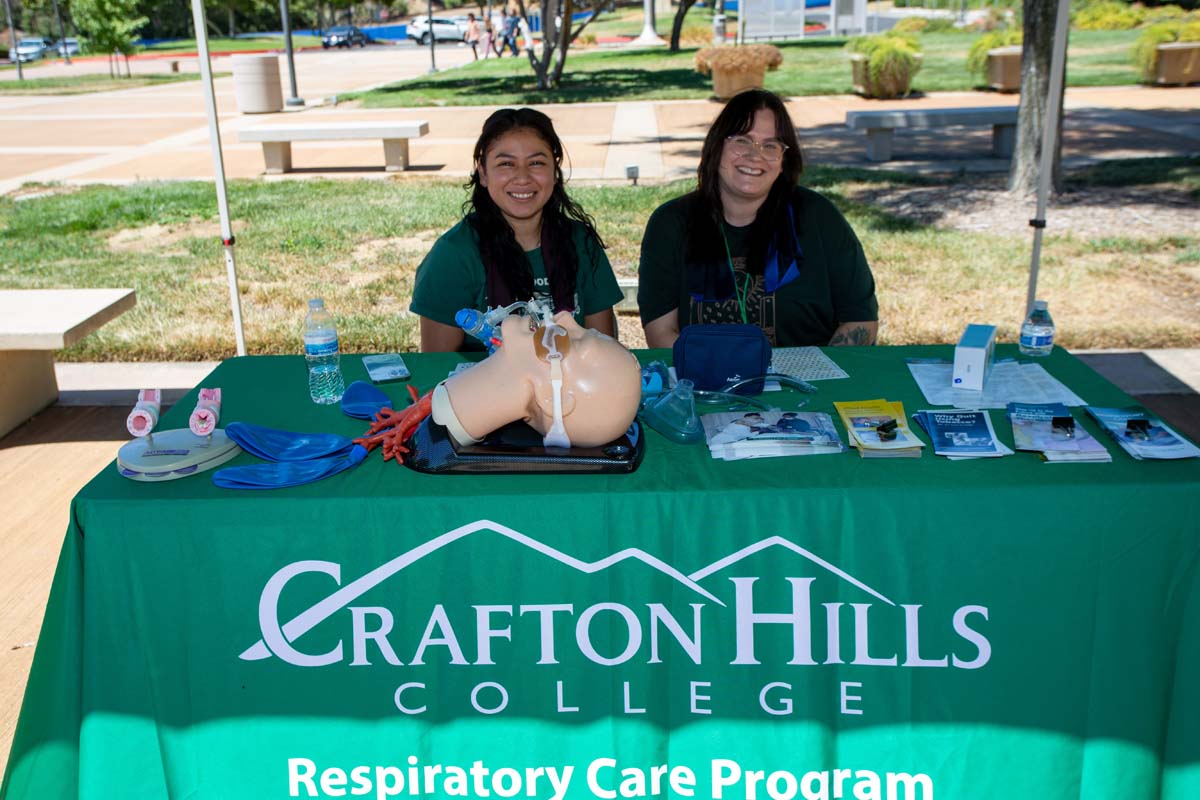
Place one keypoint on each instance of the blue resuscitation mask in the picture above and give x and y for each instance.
(300, 458)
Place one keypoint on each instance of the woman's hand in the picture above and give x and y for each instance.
(439, 338)
(853, 333)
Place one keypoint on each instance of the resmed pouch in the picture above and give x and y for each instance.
(712, 355)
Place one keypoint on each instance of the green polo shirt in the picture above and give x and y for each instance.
(452, 277)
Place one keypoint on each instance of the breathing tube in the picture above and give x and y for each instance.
(485, 325)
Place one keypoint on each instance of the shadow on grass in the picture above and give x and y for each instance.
(595, 85)
(1140, 172)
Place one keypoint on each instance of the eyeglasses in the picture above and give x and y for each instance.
(771, 149)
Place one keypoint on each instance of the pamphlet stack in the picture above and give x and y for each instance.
(763, 434)
(1049, 429)
(962, 433)
(1142, 434)
(879, 429)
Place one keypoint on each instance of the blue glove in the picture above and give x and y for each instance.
(363, 400)
(291, 473)
(272, 445)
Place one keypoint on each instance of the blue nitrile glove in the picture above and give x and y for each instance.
(272, 445)
(290, 473)
(363, 400)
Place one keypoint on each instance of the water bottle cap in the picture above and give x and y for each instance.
(1040, 305)
(316, 302)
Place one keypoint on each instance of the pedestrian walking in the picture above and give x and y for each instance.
(472, 36)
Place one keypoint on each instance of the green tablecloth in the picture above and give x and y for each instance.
(804, 627)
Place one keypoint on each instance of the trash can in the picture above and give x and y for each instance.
(718, 29)
(256, 84)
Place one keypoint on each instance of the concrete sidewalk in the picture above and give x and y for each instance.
(160, 132)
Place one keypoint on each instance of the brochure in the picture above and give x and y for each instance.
(1008, 382)
(863, 419)
(386, 367)
(1142, 434)
(959, 434)
(758, 434)
(1049, 429)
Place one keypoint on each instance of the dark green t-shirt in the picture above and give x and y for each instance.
(452, 277)
(835, 283)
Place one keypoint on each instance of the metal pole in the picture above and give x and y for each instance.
(214, 138)
(1058, 68)
(12, 41)
(432, 38)
(62, 35)
(294, 100)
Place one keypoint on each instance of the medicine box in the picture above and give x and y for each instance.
(973, 357)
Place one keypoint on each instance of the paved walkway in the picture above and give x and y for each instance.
(160, 132)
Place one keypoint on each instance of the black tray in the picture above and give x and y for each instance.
(517, 448)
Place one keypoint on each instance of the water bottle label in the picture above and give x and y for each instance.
(1037, 341)
(324, 347)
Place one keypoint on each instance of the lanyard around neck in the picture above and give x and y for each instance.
(740, 294)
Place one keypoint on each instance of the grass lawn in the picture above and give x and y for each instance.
(82, 84)
(232, 45)
(358, 244)
(815, 66)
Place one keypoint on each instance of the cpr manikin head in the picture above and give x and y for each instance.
(599, 385)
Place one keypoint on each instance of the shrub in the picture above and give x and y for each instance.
(740, 58)
(892, 59)
(1108, 15)
(977, 55)
(941, 25)
(1145, 49)
(911, 25)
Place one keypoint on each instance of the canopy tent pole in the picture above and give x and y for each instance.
(214, 138)
(1058, 70)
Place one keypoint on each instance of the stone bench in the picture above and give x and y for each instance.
(879, 126)
(33, 324)
(277, 139)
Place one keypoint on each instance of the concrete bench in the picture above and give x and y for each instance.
(277, 139)
(33, 324)
(879, 126)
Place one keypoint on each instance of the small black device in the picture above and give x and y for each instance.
(516, 449)
(1063, 426)
(1137, 428)
(887, 430)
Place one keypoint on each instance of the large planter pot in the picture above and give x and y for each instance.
(727, 83)
(1178, 63)
(884, 91)
(1004, 68)
(256, 86)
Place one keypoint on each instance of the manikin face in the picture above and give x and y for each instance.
(749, 177)
(601, 379)
(518, 173)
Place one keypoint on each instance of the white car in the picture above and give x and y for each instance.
(29, 49)
(444, 30)
(68, 47)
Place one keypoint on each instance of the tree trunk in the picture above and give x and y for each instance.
(232, 30)
(564, 42)
(677, 25)
(1036, 57)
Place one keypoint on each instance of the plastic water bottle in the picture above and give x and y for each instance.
(1037, 332)
(325, 382)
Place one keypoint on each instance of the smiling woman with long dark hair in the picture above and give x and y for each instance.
(750, 245)
(522, 237)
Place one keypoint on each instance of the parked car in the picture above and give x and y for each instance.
(445, 29)
(344, 36)
(68, 47)
(29, 49)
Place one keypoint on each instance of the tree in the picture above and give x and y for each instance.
(1036, 56)
(109, 26)
(557, 36)
(677, 25)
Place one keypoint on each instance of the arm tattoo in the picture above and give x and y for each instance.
(852, 336)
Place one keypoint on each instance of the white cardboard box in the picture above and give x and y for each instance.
(973, 357)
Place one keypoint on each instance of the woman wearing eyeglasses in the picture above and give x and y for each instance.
(749, 245)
